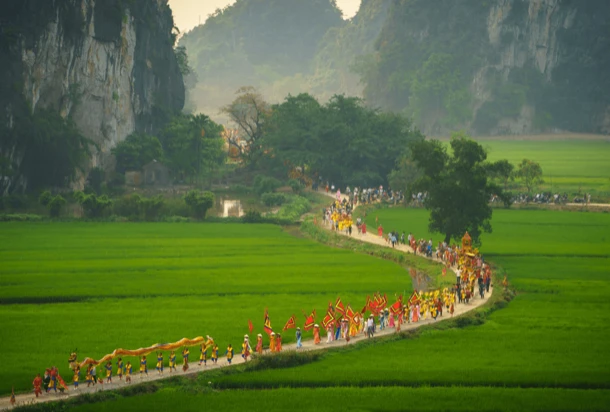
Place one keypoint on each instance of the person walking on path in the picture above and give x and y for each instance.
(259, 344)
(299, 337)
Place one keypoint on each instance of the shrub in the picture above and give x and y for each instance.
(293, 210)
(273, 199)
(199, 203)
(265, 184)
(45, 198)
(95, 180)
(55, 205)
(252, 216)
(19, 217)
(127, 206)
(94, 206)
(296, 185)
(150, 208)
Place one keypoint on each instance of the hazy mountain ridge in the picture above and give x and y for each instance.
(492, 67)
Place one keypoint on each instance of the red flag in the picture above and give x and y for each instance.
(363, 311)
(250, 326)
(328, 319)
(397, 306)
(267, 327)
(339, 306)
(310, 321)
(349, 313)
(414, 298)
(291, 324)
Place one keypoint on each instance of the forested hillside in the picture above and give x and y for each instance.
(491, 67)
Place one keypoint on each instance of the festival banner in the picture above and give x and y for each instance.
(310, 321)
(414, 298)
(267, 325)
(397, 306)
(339, 306)
(291, 324)
(349, 313)
(328, 319)
(250, 326)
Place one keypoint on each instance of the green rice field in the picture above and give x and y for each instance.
(569, 166)
(96, 287)
(547, 350)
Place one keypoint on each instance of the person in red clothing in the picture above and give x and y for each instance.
(380, 231)
(37, 385)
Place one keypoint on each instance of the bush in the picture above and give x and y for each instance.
(265, 184)
(55, 205)
(273, 199)
(94, 206)
(176, 206)
(293, 210)
(150, 208)
(296, 185)
(19, 217)
(45, 198)
(199, 203)
(95, 180)
(252, 216)
(177, 219)
(136, 207)
(127, 206)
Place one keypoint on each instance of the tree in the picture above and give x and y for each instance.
(199, 202)
(46, 150)
(94, 206)
(135, 151)
(530, 174)
(344, 140)
(95, 180)
(193, 146)
(457, 187)
(55, 205)
(249, 111)
(501, 170)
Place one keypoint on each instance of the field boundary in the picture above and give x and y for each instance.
(28, 399)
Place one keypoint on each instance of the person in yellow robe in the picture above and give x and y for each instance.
(172, 361)
(160, 363)
(272, 342)
(229, 353)
(185, 358)
(203, 357)
(128, 370)
(278, 343)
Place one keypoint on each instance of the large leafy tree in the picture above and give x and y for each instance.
(530, 174)
(46, 149)
(458, 190)
(343, 141)
(193, 146)
(137, 150)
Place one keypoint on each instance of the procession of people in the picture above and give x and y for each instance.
(341, 322)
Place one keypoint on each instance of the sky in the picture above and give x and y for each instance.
(187, 13)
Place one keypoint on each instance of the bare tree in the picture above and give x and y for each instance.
(248, 111)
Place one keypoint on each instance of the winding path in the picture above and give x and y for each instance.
(29, 398)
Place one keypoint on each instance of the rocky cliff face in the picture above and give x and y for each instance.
(501, 66)
(108, 64)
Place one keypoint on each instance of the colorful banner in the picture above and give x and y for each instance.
(291, 324)
(143, 351)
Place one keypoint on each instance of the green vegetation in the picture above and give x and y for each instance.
(457, 186)
(99, 286)
(574, 166)
(544, 351)
(343, 140)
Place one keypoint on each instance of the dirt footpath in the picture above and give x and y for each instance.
(29, 398)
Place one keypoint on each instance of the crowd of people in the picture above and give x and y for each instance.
(340, 323)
